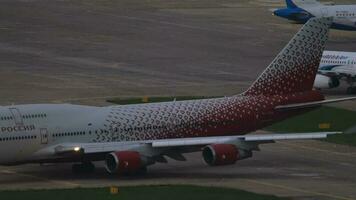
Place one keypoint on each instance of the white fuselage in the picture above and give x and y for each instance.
(29, 132)
(336, 66)
(344, 16)
(343, 62)
(26, 129)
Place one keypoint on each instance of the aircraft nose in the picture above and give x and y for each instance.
(278, 12)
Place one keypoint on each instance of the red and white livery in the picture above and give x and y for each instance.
(131, 137)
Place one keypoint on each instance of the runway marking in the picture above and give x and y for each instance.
(318, 149)
(299, 190)
(66, 183)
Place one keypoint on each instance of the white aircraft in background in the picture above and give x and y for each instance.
(336, 66)
(344, 16)
(131, 137)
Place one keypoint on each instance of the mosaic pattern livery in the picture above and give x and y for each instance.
(288, 79)
(295, 67)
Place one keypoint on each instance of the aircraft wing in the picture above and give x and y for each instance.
(159, 147)
(259, 138)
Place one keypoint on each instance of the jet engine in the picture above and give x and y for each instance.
(325, 82)
(224, 154)
(124, 162)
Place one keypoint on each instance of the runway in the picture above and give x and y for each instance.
(297, 169)
(87, 51)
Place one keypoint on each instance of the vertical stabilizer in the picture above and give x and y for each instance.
(290, 4)
(302, 3)
(295, 67)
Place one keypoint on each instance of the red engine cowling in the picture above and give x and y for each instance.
(224, 154)
(123, 162)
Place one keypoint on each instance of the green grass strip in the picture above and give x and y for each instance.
(338, 120)
(171, 192)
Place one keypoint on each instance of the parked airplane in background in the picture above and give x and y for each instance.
(336, 66)
(131, 137)
(344, 16)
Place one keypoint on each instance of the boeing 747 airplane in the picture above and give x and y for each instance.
(336, 66)
(131, 137)
(344, 16)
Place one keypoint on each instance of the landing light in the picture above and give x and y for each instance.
(76, 148)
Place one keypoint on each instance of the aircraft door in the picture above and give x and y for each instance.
(44, 135)
(324, 12)
(17, 116)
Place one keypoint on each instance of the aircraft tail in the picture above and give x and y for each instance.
(295, 67)
(302, 3)
(290, 4)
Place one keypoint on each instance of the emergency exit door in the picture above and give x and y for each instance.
(44, 135)
(17, 116)
(324, 12)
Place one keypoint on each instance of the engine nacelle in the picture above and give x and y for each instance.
(224, 154)
(123, 162)
(325, 82)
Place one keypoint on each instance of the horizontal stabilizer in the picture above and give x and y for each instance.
(311, 104)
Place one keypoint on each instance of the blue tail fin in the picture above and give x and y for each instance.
(291, 4)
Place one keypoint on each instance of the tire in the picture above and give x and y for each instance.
(349, 90)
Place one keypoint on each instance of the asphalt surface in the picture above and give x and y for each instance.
(88, 51)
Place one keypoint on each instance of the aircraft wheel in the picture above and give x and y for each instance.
(140, 172)
(87, 167)
(351, 90)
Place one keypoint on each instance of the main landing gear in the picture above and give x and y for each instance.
(140, 172)
(84, 167)
(351, 90)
